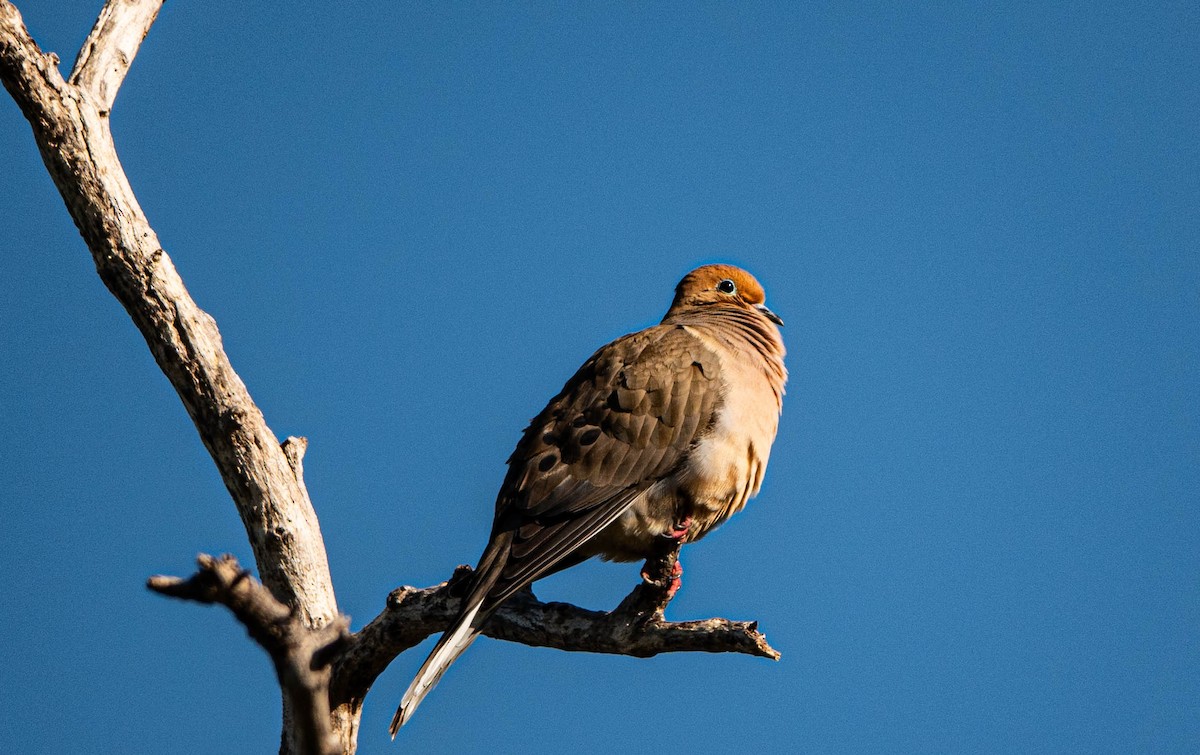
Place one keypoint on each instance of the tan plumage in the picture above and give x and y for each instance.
(660, 429)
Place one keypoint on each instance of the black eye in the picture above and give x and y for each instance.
(726, 286)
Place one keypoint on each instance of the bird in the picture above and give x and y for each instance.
(661, 435)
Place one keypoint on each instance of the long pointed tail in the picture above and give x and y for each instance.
(452, 644)
(461, 633)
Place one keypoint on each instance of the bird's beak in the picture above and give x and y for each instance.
(769, 314)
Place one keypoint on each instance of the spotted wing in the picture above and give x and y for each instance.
(625, 420)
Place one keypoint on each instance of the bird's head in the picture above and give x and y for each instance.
(721, 285)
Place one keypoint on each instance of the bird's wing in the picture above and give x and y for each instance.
(624, 421)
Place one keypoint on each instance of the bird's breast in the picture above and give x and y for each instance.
(726, 468)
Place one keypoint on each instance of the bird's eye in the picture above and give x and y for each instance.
(726, 286)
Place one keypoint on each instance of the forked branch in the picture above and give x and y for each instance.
(110, 49)
(300, 653)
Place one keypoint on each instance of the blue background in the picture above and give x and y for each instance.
(979, 531)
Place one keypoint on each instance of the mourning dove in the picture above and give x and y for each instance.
(663, 433)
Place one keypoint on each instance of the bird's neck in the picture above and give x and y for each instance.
(745, 332)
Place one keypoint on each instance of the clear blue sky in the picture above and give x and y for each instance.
(981, 222)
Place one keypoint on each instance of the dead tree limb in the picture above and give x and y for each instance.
(110, 49)
(324, 672)
(300, 653)
(71, 126)
(328, 669)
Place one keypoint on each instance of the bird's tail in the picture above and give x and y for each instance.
(459, 636)
(449, 647)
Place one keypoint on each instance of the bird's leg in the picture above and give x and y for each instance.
(676, 537)
(664, 568)
(676, 574)
(662, 574)
(660, 581)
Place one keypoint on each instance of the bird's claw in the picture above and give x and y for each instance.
(676, 579)
(679, 531)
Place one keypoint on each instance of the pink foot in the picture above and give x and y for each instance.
(676, 580)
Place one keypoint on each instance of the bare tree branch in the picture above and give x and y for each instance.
(636, 627)
(324, 672)
(76, 145)
(326, 668)
(300, 653)
(109, 50)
